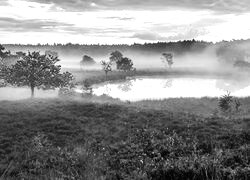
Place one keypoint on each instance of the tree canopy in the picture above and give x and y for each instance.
(37, 71)
(87, 60)
(122, 63)
(125, 64)
(115, 56)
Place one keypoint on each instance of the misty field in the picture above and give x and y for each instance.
(91, 139)
(76, 134)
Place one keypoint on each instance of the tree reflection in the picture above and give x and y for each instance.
(168, 83)
(107, 90)
(126, 86)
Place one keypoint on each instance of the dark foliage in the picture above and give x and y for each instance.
(101, 141)
(125, 64)
(37, 71)
(225, 102)
(87, 60)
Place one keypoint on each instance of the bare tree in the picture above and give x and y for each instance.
(106, 66)
(168, 58)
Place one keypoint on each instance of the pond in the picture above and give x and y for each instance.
(143, 88)
(154, 88)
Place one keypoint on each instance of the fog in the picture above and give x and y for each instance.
(205, 61)
(18, 93)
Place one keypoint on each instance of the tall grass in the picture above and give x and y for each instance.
(68, 139)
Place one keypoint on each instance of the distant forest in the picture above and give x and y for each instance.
(235, 50)
(100, 50)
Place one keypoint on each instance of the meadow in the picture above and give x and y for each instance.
(104, 138)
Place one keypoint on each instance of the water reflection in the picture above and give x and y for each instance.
(168, 83)
(126, 86)
(232, 85)
(160, 88)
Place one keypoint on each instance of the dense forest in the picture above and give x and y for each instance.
(235, 52)
(97, 49)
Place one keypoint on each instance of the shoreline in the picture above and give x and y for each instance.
(98, 76)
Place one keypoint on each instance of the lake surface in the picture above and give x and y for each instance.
(143, 88)
(161, 88)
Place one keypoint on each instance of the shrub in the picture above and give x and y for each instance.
(225, 103)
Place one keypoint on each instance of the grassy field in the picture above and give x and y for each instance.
(90, 137)
(93, 138)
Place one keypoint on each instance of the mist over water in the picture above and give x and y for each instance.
(172, 87)
(204, 61)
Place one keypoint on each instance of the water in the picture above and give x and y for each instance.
(143, 88)
(161, 88)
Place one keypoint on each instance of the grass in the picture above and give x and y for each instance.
(96, 139)
(90, 137)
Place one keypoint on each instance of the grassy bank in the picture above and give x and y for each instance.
(69, 139)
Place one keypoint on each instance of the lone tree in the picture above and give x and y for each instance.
(168, 58)
(38, 71)
(87, 61)
(106, 66)
(115, 57)
(125, 64)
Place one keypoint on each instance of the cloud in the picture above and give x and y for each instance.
(32, 25)
(153, 36)
(149, 36)
(224, 6)
(120, 18)
(4, 3)
(189, 34)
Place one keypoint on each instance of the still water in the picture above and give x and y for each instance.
(161, 88)
(143, 88)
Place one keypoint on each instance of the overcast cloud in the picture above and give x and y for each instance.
(122, 21)
(226, 6)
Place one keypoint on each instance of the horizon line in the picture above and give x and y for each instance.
(101, 44)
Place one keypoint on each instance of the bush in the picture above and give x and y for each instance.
(225, 102)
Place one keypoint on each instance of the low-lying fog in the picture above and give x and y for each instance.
(205, 60)
(18, 93)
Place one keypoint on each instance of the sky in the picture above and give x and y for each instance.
(122, 21)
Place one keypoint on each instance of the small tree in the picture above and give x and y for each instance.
(125, 64)
(225, 102)
(106, 66)
(168, 58)
(38, 71)
(115, 57)
(87, 60)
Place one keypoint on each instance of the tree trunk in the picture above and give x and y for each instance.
(106, 75)
(32, 91)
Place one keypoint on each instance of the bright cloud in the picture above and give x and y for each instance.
(120, 21)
